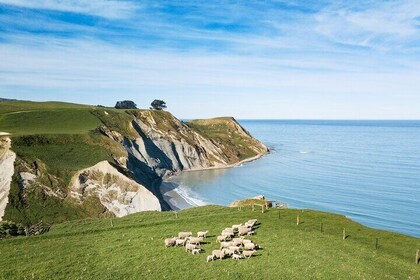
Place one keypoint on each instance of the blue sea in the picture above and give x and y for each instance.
(368, 171)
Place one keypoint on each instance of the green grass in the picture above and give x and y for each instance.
(133, 249)
(64, 121)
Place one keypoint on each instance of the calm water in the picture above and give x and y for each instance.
(366, 170)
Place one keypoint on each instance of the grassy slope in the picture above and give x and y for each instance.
(133, 249)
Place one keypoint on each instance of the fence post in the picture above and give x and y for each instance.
(262, 208)
(176, 215)
(297, 220)
(344, 233)
(112, 223)
(417, 256)
(253, 207)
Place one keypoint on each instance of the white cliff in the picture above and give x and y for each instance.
(7, 159)
(118, 193)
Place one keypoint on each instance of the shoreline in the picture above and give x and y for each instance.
(176, 200)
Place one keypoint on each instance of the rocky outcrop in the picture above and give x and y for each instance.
(118, 193)
(7, 159)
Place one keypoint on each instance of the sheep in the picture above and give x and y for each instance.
(221, 238)
(236, 257)
(249, 246)
(225, 244)
(180, 242)
(184, 234)
(218, 254)
(195, 240)
(253, 221)
(243, 231)
(228, 233)
(229, 229)
(248, 254)
(202, 233)
(210, 258)
(169, 242)
(235, 249)
(236, 226)
(245, 241)
(237, 242)
(190, 247)
(250, 233)
(228, 252)
(196, 251)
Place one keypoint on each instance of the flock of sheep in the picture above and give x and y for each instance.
(233, 242)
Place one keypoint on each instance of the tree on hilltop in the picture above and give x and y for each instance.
(158, 105)
(126, 104)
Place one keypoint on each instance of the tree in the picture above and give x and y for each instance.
(126, 104)
(158, 104)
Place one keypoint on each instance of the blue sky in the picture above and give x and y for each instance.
(249, 59)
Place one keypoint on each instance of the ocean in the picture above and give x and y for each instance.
(368, 171)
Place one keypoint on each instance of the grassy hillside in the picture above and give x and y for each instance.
(133, 249)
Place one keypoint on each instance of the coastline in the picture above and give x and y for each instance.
(175, 197)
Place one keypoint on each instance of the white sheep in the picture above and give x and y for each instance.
(236, 226)
(195, 240)
(169, 242)
(190, 247)
(218, 254)
(235, 249)
(243, 231)
(210, 258)
(202, 233)
(245, 241)
(249, 246)
(248, 254)
(184, 234)
(228, 252)
(221, 238)
(180, 242)
(228, 233)
(196, 251)
(225, 244)
(250, 233)
(236, 257)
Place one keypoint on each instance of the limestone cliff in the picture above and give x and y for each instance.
(7, 159)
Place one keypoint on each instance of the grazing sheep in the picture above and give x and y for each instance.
(218, 254)
(245, 241)
(235, 249)
(195, 240)
(236, 257)
(169, 242)
(202, 234)
(196, 251)
(237, 242)
(221, 238)
(190, 247)
(250, 233)
(225, 244)
(243, 231)
(228, 233)
(180, 242)
(210, 258)
(249, 246)
(228, 229)
(236, 226)
(227, 252)
(253, 221)
(248, 254)
(184, 234)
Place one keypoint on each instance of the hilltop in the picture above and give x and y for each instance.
(72, 161)
(132, 247)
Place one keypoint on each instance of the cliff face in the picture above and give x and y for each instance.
(7, 159)
(143, 147)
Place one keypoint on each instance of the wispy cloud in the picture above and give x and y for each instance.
(287, 51)
(112, 9)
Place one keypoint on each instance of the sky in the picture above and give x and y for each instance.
(248, 59)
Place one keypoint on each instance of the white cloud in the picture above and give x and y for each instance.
(112, 9)
(383, 25)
